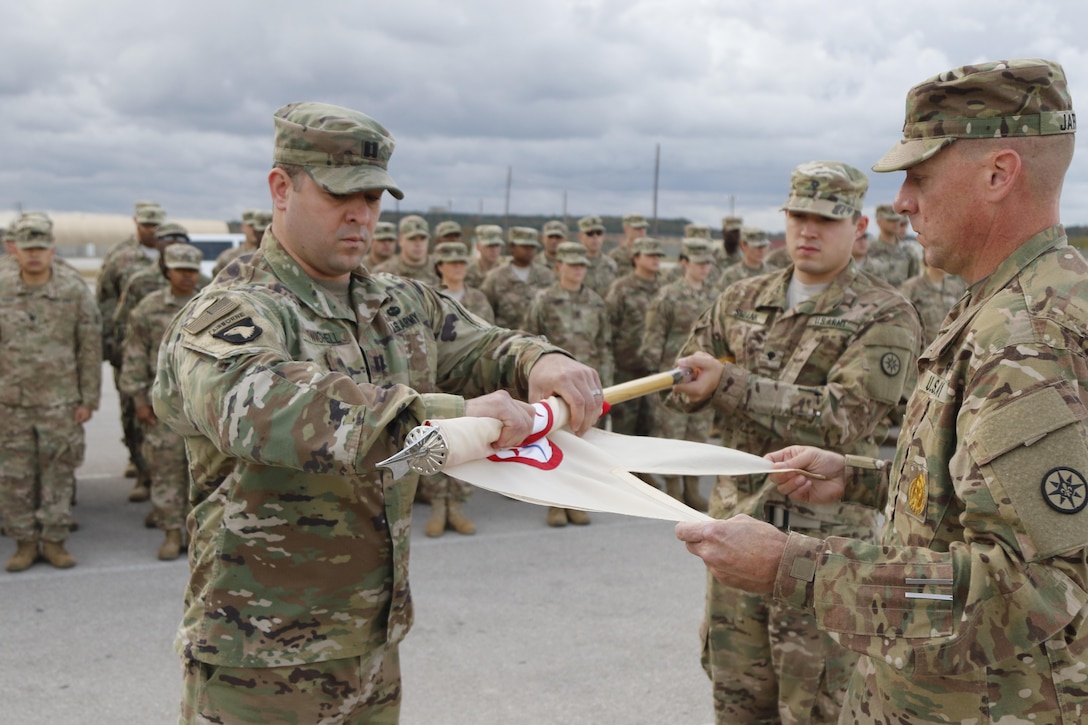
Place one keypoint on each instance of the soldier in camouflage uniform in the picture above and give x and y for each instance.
(934, 292)
(753, 248)
(412, 262)
(669, 319)
(447, 231)
(553, 233)
(10, 262)
(510, 288)
(634, 226)
(488, 254)
(627, 301)
(974, 607)
(119, 263)
(574, 317)
(289, 380)
(51, 355)
(694, 231)
(258, 221)
(602, 271)
(821, 352)
(888, 257)
(163, 449)
(447, 495)
(384, 245)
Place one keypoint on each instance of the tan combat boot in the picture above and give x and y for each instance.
(672, 487)
(436, 525)
(171, 546)
(55, 553)
(578, 518)
(140, 492)
(26, 553)
(692, 497)
(557, 516)
(460, 523)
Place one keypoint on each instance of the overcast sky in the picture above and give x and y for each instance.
(111, 101)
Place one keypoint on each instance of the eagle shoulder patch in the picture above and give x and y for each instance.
(237, 331)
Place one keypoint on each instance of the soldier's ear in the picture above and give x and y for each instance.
(862, 226)
(280, 187)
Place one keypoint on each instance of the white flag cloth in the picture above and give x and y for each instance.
(554, 467)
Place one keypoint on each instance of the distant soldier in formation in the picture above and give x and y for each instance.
(254, 222)
(889, 258)
(163, 449)
(693, 231)
(753, 248)
(602, 270)
(447, 231)
(451, 266)
(384, 245)
(634, 226)
(51, 355)
(628, 300)
(119, 264)
(571, 315)
(669, 319)
(728, 252)
(510, 287)
(412, 261)
(10, 261)
(934, 292)
(552, 234)
(488, 254)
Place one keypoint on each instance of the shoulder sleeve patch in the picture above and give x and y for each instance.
(1034, 454)
(210, 315)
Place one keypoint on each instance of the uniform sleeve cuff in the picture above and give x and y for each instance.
(731, 388)
(443, 405)
(797, 571)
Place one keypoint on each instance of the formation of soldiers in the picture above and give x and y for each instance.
(622, 312)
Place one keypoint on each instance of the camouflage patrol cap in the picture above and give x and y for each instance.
(414, 225)
(648, 246)
(489, 235)
(141, 204)
(247, 216)
(696, 250)
(829, 189)
(343, 151)
(571, 253)
(150, 214)
(590, 224)
(635, 220)
(182, 256)
(450, 252)
(261, 219)
(171, 229)
(731, 223)
(445, 228)
(697, 231)
(36, 215)
(524, 237)
(554, 228)
(33, 232)
(1026, 97)
(888, 212)
(754, 237)
(385, 230)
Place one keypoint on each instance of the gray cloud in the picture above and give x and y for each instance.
(106, 103)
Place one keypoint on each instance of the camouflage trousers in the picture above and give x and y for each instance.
(352, 691)
(441, 486)
(632, 417)
(131, 430)
(669, 423)
(770, 663)
(164, 451)
(40, 449)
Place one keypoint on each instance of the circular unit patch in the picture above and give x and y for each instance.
(1065, 490)
(890, 364)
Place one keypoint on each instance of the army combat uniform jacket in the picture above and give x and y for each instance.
(824, 372)
(577, 322)
(287, 398)
(974, 607)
